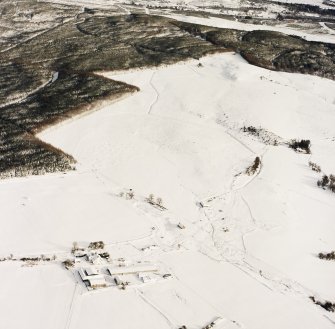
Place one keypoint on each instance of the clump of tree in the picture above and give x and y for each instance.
(210, 325)
(314, 166)
(42, 258)
(96, 245)
(159, 202)
(155, 201)
(265, 136)
(129, 195)
(251, 130)
(324, 181)
(30, 259)
(49, 258)
(327, 256)
(331, 184)
(327, 182)
(68, 263)
(254, 167)
(151, 199)
(303, 145)
(327, 305)
(75, 247)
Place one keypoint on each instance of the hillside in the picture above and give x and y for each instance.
(194, 202)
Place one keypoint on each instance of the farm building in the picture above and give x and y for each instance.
(94, 258)
(92, 278)
(91, 271)
(97, 281)
(181, 226)
(131, 269)
(118, 281)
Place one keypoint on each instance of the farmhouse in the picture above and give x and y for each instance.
(94, 258)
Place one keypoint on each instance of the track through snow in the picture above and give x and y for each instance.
(72, 305)
(247, 253)
(155, 91)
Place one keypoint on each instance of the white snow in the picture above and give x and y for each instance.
(231, 24)
(131, 269)
(204, 5)
(248, 256)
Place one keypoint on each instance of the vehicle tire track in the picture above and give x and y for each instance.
(155, 91)
(72, 304)
(171, 324)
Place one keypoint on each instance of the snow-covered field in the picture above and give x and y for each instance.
(189, 3)
(318, 31)
(249, 256)
(328, 35)
(245, 253)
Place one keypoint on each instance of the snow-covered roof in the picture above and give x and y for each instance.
(82, 274)
(94, 258)
(131, 269)
(97, 280)
(91, 271)
(88, 273)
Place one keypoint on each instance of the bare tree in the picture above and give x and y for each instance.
(74, 246)
(151, 198)
(130, 194)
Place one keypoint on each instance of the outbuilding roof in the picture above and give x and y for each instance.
(91, 271)
(131, 269)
